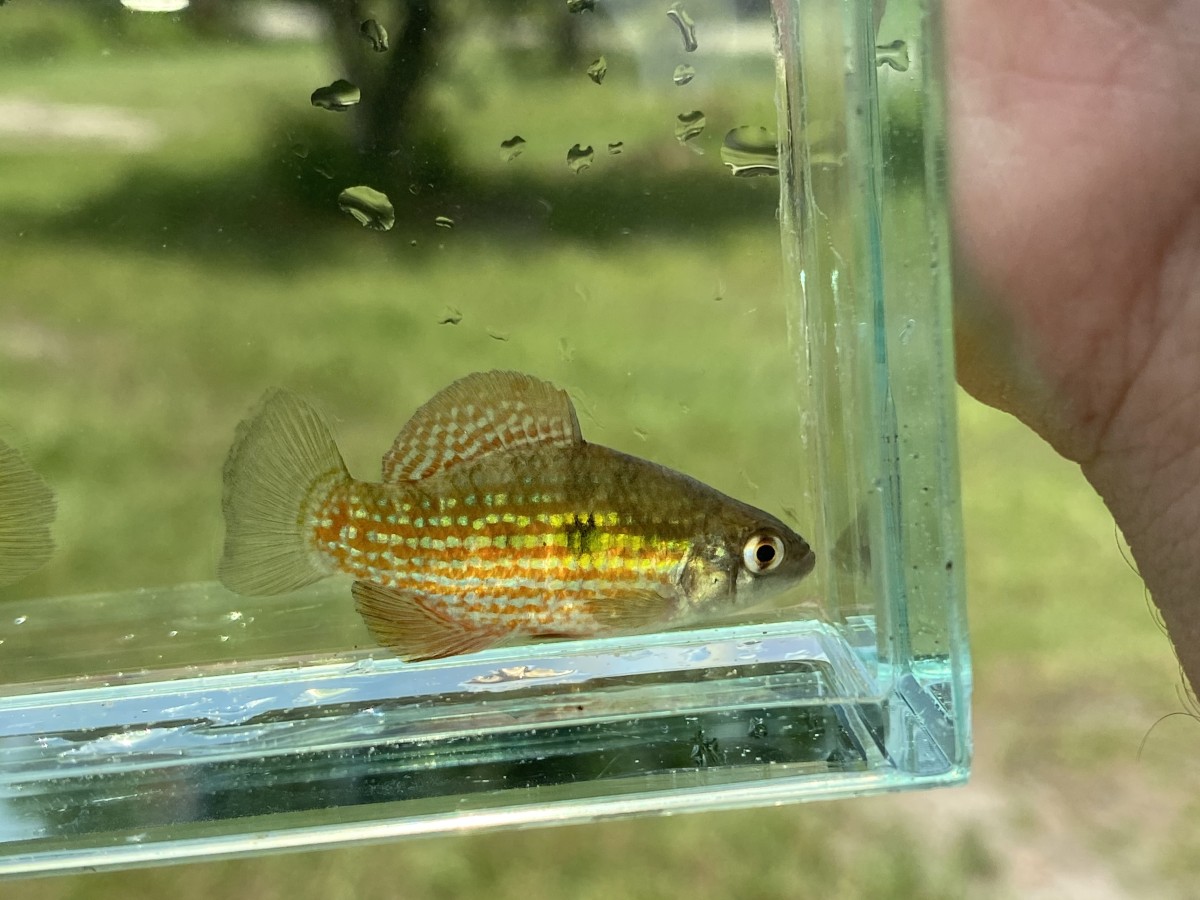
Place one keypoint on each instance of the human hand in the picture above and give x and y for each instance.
(1075, 158)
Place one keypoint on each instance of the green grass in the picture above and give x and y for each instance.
(149, 298)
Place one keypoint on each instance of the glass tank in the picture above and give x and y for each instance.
(644, 307)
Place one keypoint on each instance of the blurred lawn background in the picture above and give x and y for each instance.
(169, 245)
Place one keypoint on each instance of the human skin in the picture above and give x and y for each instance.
(1075, 159)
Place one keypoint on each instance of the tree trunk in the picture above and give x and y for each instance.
(392, 82)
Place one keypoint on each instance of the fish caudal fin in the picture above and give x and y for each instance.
(26, 511)
(283, 461)
(402, 623)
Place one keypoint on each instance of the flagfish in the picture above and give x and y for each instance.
(26, 511)
(495, 522)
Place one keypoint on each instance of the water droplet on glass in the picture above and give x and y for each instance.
(641, 433)
(683, 74)
(339, 96)
(687, 28)
(689, 125)
(443, 222)
(450, 316)
(750, 150)
(375, 34)
(20, 620)
(597, 70)
(566, 350)
(496, 335)
(616, 147)
(580, 158)
(894, 55)
(300, 151)
(512, 148)
(370, 207)
(578, 6)
(323, 172)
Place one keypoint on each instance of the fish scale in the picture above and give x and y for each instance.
(560, 546)
(495, 521)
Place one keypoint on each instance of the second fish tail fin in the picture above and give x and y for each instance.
(282, 465)
(26, 511)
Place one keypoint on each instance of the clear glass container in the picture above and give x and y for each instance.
(769, 315)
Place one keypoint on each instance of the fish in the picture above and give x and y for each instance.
(495, 523)
(27, 510)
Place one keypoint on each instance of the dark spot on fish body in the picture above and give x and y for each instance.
(583, 535)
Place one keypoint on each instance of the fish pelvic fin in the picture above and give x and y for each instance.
(26, 511)
(410, 629)
(632, 611)
(480, 414)
(282, 464)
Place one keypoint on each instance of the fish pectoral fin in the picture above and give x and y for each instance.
(633, 611)
(480, 414)
(406, 626)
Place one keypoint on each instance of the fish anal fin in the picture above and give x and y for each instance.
(633, 611)
(482, 413)
(400, 621)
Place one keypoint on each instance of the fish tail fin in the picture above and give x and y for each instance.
(26, 511)
(282, 465)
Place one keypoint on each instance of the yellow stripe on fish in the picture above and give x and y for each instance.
(495, 522)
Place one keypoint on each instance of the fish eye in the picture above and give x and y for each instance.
(762, 553)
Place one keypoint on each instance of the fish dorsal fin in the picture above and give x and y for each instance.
(406, 626)
(480, 414)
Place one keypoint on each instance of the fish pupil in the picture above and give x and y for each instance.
(764, 554)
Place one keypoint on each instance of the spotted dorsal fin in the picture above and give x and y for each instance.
(477, 415)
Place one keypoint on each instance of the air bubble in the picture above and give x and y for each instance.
(443, 222)
(339, 96)
(512, 148)
(20, 620)
(894, 55)
(687, 28)
(374, 34)
(683, 74)
(750, 150)
(371, 208)
(689, 125)
(615, 148)
(580, 158)
(597, 70)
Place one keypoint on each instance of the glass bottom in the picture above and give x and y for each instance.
(234, 757)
